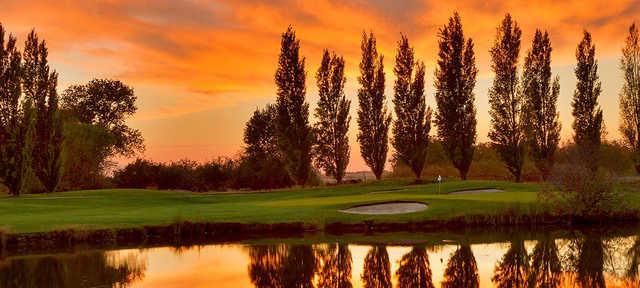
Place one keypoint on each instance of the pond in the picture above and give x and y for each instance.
(594, 257)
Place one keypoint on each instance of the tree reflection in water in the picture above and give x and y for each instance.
(335, 270)
(586, 259)
(415, 270)
(93, 269)
(633, 256)
(377, 269)
(282, 266)
(462, 269)
(546, 268)
(512, 270)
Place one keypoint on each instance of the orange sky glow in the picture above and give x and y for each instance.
(200, 68)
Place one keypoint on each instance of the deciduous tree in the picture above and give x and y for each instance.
(587, 123)
(413, 119)
(39, 85)
(455, 79)
(332, 143)
(295, 136)
(373, 118)
(16, 119)
(542, 126)
(506, 134)
(630, 93)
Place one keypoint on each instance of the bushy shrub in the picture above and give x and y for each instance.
(265, 174)
(139, 174)
(215, 175)
(578, 190)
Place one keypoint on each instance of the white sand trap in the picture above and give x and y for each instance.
(386, 208)
(476, 191)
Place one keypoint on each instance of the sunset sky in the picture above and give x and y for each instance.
(200, 68)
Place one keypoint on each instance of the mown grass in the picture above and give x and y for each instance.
(120, 208)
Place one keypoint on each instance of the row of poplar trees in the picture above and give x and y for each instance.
(523, 108)
(30, 125)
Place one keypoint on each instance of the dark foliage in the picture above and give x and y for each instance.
(455, 79)
(331, 149)
(506, 133)
(39, 86)
(16, 120)
(546, 267)
(373, 118)
(139, 174)
(542, 126)
(261, 166)
(587, 123)
(335, 268)
(295, 136)
(107, 104)
(281, 266)
(630, 93)
(413, 119)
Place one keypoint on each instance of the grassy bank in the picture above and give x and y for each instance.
(122, 208)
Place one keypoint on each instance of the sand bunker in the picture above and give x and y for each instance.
(387, 208)
(476, 191)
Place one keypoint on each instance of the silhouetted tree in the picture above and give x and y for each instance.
(546, 268)
(455, 79)
(587, 123)
(299, 267)
(332, 143)
(282, 266)
(377, 269)
(507, 136)
(542, 126)
(462, 269)
(84, 150)
(16, 119)
(415, 270)
(39, 86)
(335, 271)
(413, 119)
(373, 118)
(513, 269)
(295, 136)
(630, 93)
(106, 103)
(265, 266)
(261, 165)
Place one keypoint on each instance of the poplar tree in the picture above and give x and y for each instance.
(16, 119)
(587, 124)
(542, 127)
(630, 93)
(373, 118)
(506, 134)
(332, 144)
(455, 79)
(39, 86)
(413, 119)
(294, 133)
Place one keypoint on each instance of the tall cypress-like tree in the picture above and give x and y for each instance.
(295, 136)
(332, 143)
(373, 118)
(39, 86)
(587, 123)
(455, 79)
(16, 119)
(506, 134)
(542, 126)
(413, 119)
(630, 93)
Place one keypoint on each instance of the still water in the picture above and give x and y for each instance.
(594, 258)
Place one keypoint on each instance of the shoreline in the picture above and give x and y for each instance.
(200, 233)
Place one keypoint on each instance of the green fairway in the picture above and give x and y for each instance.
(135, 207)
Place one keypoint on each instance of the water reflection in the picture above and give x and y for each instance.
(415, 270)
(95, 269)
(462, 269)
(532, 261)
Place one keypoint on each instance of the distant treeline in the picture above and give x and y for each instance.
(51, 142)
